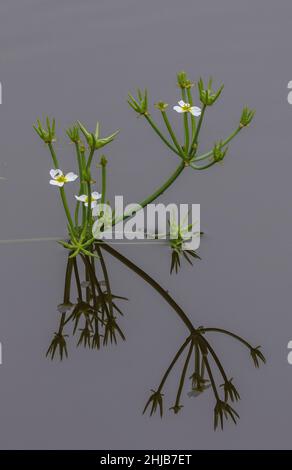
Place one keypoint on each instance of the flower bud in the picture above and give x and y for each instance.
(93, 140)
(73, 134)
(218, 152)
(183, 81)
(246, 116)
(47, 134)
(140, 104)
(161, 105)
(103, 160)
(207, 95)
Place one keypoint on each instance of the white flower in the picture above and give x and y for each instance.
(84, 198)
(187, 108)
(59, 179)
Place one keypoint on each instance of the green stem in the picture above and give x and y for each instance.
(196, 136)
(160, 190)
(193, 121)
(62, 191)
(159, 133)
(79, 161)
(103, 182)
(66, 208)
(76, 215)
(83, 164)
(88, 165)
(225, 142)
(203, 167)
(172, 134)
(89, 210)
(54, 156)
(186, 123)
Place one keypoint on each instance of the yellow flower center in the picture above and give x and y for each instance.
(186, 107)
(61, 179)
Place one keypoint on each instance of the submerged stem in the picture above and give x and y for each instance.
(152, 283)
(183, 375)
(106, 278)
(77, 278)
(206, 362)
(95, 281)
(229, 333)
(176, 357)
(216, 359)
(67, 290)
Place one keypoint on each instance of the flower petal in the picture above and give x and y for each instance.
(57, 183)
(95, 195)
(71, 176)
(54, 173)
(93, 204)
(178, 109)
(181, 103)
(81, 198)
(195, 111)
